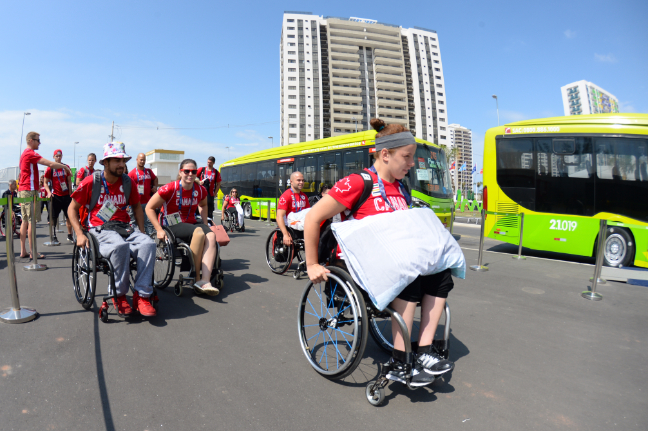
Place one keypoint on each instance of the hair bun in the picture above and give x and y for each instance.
(377, 124)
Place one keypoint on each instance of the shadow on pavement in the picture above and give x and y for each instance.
(101, 379)
(233, 284)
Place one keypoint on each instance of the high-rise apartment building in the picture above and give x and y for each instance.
(338, 73)
(461, 138)
(583, 97)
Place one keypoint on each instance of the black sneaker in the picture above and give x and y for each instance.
(69, 238)
(398, 371)
(54, 238)
(420, 377)
(434, 364)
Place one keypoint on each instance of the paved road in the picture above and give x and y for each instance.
(530, 354)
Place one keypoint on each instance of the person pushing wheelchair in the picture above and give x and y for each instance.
(105, 197)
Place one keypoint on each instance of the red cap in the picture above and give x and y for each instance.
(58, 151)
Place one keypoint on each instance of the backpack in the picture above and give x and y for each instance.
(84, 213)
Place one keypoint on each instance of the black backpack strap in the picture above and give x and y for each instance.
(96, 189)
(366, 191)
(126, 182)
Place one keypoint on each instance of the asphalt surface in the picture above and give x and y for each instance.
(530, 354)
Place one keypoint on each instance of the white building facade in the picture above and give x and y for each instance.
(461, 138)
(582, 97)
(338, 73)
(165, 164)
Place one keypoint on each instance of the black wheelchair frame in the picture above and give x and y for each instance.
(86, 262)
(339, 313)
(175, 252)
(279, 257)
(230, 221)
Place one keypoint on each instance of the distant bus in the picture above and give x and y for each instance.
(566, 173)
(265, 175)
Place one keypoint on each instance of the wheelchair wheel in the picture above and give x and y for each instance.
(278, 256)
(84, 274)
(381, 329)
(226, 222)
(332, 324)
(375, 394)
(164, 264)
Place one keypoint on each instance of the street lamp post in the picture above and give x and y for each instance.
(75, 144)
(356, 123)
(271, 141)
(497, 107)
(22, 130)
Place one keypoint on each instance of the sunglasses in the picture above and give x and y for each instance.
(37, 140)
(190, 171)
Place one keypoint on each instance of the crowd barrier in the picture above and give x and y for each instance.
(16, 313)
(481, 268)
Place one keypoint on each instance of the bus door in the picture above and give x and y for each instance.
(284, 169)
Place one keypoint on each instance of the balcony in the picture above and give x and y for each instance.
(365, 42)
(398, 103)
(337, 117)
(351, 99)
(345, 56)
(341, 89)
(390, 85)
(397, 62)
(337, 47)
(390, 53)
(383, 110)
(393, 70)
(352, 108)
(345, 80)
(360, 34)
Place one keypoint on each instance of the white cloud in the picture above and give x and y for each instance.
(605, 58)
(508, 116)
(626, 107)
(569, 34)
(60, 129)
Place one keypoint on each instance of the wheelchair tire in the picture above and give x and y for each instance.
(164, 267)
(332, 324)
(84, 274)
(279, 257)
(378, 396)
(226, 221)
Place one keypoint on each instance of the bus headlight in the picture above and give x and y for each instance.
(419, 203)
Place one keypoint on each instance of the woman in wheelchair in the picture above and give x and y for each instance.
(180, 200)
(233, 213)
(394, 157)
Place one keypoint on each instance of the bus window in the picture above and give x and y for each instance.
(309, 170)
(225, 178)
(564, 182)
(622, 177)
(354, 161)
(516, 170)
(248, 175)
(329, 168)
(430, 174)
(266, 187)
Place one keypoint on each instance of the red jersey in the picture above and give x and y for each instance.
(59, 181)
(348, 190)
(142, 183)
(292, 202)
(29, 179)
(230, 202)
(213, 176)
(190, 200)
(83, 195)
(84, 172)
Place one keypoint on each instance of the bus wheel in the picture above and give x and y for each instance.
(619, 248)
(247, 210)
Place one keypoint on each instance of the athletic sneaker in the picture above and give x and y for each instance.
(54, 238)
(397, 371)
(122, 306)
(69, 238)
(143, 305)
(420, 377)
(434, 364)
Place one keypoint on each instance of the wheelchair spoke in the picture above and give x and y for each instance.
(309, 302)
(337, 351)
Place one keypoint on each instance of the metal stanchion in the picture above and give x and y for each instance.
(15, 314)
(592, 294)
(53, 241)
(61, 220)
(519, 255)
(479, 267)
(452, 217)
(34, 250)
(269, 221)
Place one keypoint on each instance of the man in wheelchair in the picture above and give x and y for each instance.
(104, 196)
(292, 200)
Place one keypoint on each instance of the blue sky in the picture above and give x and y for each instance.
(199, 66)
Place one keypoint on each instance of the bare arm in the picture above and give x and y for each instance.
(154, 187)
(202, 210)
(282, 225)
(326, 208)
(73, 216)
(47, 187)
(153, 204)
(54, 165)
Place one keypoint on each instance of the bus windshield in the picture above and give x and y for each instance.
(430, 173)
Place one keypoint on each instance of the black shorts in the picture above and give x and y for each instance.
(184, 231)
(438, 285)
(60, 203)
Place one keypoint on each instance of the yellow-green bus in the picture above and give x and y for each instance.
(565, 174)
(263, 176)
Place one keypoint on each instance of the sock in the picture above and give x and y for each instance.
(424, 349)
(399, 355)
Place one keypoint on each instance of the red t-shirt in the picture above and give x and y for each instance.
(213, 176)
(145, 178)
(190, 200)
(292, 202)
(348, 190)
(83, 195)
(57, 177)
(81, 172)
(29, 179)
(231, 202)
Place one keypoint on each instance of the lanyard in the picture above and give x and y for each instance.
(381, 186)
(107, 190)
(143, 176)
(190, 199)
(60, 173)
(295, 200)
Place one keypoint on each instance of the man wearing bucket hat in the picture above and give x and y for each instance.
(106, 195)
(59, 192)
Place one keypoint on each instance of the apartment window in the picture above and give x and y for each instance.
(436, 61)
(434, 53)
(292, 96)
(434, 46)
(437, 69)
(437, 77)
(292, 69)
(292, 115)
(290, 20)
(291, 36)
(293, 135)
(291, 43)
(292, 52)
(292, 106)
(439, 86)
(442, 119)
(292, 87)
(291, 28)
(439, 94)
(292, 61)
(443, 137)
(440, 102)
(442, 128)
(442, 111)
(293, 126)
(292, 78)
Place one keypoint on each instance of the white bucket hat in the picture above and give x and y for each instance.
(115, 150)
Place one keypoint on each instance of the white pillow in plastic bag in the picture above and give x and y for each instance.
(387, 252)
(296, 220)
